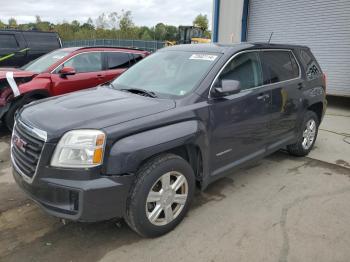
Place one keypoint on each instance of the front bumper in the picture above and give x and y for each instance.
(92, 199)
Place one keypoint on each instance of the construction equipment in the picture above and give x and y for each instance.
(189, 35)
(192, 35)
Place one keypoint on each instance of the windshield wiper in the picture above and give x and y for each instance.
(139, 91)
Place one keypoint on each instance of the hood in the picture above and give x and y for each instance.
(95, 108)
(12, 77)
(16, 73)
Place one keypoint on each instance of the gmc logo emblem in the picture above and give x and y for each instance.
(19, 142)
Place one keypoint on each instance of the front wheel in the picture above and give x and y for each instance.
(161, 195)
(306, 137)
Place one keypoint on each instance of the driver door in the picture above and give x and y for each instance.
(240, 121)
(89, 73)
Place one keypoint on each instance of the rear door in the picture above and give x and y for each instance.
(239, 122)
(116, 64)
(282, 75)
(89, 73)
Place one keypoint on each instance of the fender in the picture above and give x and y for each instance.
(127, 154)
(41, 83)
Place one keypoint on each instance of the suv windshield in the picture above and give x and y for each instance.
(44, 62)
(167, 73)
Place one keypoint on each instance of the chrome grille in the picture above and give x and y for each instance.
(26, 148)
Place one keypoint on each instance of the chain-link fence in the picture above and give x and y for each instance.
(140, 44)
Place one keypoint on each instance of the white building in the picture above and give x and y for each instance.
(323, 25)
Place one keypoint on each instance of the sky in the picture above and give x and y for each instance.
(144, 12)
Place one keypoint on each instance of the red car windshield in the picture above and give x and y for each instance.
(44, 62)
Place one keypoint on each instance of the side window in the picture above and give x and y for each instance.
(136, 58)
(294, 65)
(279, 66)
(38, 41)
(8, 41)
(244, 68)
(116, 60)
(312, 69)
(86, 62)
(305, 57)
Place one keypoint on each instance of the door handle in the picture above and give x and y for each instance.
(263, 96)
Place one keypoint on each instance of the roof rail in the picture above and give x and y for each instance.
(104, 46)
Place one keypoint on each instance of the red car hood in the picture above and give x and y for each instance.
(16, 73)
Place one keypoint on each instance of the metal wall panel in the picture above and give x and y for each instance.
(230, 21)
(323, 25)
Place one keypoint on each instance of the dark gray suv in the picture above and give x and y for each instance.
(185, 116)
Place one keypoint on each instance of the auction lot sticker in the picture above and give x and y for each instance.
(203, 57)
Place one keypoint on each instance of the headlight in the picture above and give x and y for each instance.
(79, 149)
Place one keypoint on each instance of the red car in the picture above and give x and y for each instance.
(59, 72)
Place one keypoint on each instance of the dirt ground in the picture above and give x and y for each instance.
(281, 208)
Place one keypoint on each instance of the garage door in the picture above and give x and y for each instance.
(323, 25)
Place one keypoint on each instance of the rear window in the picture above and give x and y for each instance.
(41, 41)
(312, 69)
(279, 66)
(8, 41)
(116, 60)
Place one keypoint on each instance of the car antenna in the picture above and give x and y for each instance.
(270, 38)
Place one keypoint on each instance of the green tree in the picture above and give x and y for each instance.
(113, 20)
(146, 36)
(37, 19)
(90, 22)
(171, 33)
(2, 25)
(102, 21)
(125, 21)
(160, 31)
(201, 21)
(12, 23)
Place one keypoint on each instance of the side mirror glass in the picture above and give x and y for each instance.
(228, 87)
(67, 71)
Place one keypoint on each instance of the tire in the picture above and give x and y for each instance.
(9, 117)
(306, 136)
(143, 207)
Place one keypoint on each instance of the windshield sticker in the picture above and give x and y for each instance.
(203, 57)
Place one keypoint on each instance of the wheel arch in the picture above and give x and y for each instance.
(185, 139)
(318, 109)
(192, 153)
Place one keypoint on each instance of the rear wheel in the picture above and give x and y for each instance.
(307, 136)
(9, 117)
(161, 195)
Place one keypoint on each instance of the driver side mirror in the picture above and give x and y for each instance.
(228, 87)
(67, 71)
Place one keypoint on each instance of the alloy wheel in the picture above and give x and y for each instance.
(167, 198)
(309, 134)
